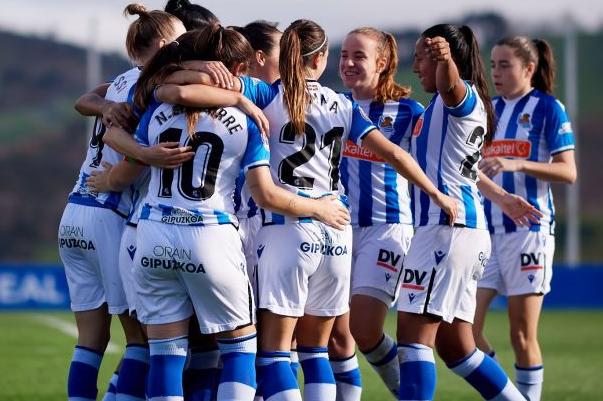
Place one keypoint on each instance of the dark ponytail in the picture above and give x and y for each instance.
(261, 35)
(466, 55)
(193, 16)
(300, 41)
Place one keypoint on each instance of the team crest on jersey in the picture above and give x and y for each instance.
(386, 123)
(525, 121)
(418, 127)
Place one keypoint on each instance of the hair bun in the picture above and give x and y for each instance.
(135, 9)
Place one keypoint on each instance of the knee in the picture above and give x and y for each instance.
(522, 341)
(341, 344)
(365, 336)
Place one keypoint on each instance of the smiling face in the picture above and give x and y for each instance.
(510, 75)
(424, 67)
(360, 64)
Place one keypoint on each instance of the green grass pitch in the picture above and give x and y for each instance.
(34, 358)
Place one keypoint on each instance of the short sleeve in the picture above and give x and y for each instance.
(258, 91)
(142, 131)
(361, 124)
(558, 129)
(257, 152)
(466, 106)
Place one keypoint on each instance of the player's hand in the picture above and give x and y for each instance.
(255, 113)
(491, 166)
(520, 211)
(99, 179)
(449, 205)
(218, 72)
(438, 49)
(167, 155)
(118, 114)
(331, 212)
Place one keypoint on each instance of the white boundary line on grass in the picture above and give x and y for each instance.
(70, 329)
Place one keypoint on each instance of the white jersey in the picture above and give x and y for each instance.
(446, 143)
(534, 127)
(245, 206)
(376, 192)
(121, 90)
(308, 164)
(200, 192)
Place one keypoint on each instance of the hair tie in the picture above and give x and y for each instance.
(176, 42)
(317, 49)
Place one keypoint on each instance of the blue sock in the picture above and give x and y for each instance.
(131, 385)
(112, 388)
(295, 363)
(347, 378)
(417, 372)
(202, 376)
(237, 381)
(529, 381)
(83, 374)
(165, 373)
(281, 385)
(486, 376)
(319, 382)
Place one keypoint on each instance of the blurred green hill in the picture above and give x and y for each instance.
(43, 139)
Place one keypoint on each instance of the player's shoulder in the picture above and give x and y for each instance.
(415, 107)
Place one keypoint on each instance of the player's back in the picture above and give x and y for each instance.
(200, 191)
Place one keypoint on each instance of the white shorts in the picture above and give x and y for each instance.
(89, 247)
(304, 268)
(181, 270)
(127, 250)
(521, 263)
(248, 230)
(441, 271)
(377, 256)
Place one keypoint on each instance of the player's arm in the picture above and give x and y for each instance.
(94, 103)
(407, 167)
(448, 81)
(514, 206)
(164, 155)
(269, 196)
(204, 72)
(562, 167)
(114, 178)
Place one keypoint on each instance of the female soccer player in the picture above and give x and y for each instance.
(437, 298)
(193, 16)
(90, 232)
(303, 265)
(533, 145)
(175, 272)
(381, 218)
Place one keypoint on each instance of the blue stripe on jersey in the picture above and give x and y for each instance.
(146, 211)
(488, 212)
(467, 104)
(552, 210)
(253, 208)
(469, 205)
(223, 218)
(531, 182)
(344, 176)
(365, 201)
(443, 215)
(421, 152)
(508, 180)
(130, 98)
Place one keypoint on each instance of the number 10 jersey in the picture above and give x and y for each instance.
(201, 191)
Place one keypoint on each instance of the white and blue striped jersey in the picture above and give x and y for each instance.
(201, 190)
(534, 127)
(446, 143)
(121, 90)
(376, 192)
(307, 164)
(245, 206)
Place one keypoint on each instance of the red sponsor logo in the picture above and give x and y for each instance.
(413, 287)
(508, 148)
(531, 267)
(388, 267)
(358, 152)
(418, 127)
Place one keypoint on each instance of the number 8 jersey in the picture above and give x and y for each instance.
(446, 143)
(201, 190)
(307, 164)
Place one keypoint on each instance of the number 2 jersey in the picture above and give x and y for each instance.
(533, 127)
(120, 90)
(201, 190)
(446, 143)
(307, 164)
(376, 192)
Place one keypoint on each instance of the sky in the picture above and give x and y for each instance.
(77, 21)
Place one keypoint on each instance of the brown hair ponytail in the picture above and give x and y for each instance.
(301, 40)
(387, 47)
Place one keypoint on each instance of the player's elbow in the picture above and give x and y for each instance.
(570, 176)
